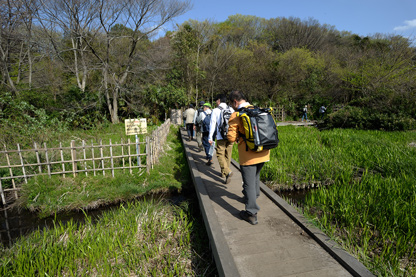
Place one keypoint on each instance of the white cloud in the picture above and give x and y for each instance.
(409, 24)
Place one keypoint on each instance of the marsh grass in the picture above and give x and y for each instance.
(368, 195)
(144, 238)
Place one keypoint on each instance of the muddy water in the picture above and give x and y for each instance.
(294, 197)
(18, 223)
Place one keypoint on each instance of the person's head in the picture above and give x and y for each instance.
(201, 103)
(191, 105)
(236, 97)
(220, 98)
(207, 106)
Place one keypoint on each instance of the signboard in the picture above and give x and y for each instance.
(135, 126)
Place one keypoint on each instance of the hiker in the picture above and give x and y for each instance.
(197, 126)
(305, 113)
(251, 162)
(206, 114)
(322, 111)
(188, 115)
(223, 147)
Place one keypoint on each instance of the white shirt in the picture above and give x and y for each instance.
(244, 104)
(215, 121)
(202, 116)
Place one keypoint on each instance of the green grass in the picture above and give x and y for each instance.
(140, 238)
(50, 195)
(137, 239)
(368, 199)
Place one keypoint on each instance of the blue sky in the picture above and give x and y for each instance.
(362, 17)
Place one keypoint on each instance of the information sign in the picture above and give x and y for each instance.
(136, 126)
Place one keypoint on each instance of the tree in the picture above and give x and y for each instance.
(143, 17)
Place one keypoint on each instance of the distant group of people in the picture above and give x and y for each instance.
(208, 124)
(322, 111)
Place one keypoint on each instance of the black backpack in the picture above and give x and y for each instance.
(260, 131)
(206, 122)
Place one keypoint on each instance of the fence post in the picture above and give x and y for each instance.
(122, 153)
(129, 153)
(22, 163)
(85, 157)
(92, 156)
(73, 158)
(3, 199)
(10, 171)
(102, 155)
(62, 158)
(47, 160)
(37, 157)
(111, 159)
(139, 162)
(148, 156)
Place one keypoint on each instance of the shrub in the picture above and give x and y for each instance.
(362, 118)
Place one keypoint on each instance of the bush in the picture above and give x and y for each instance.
(362, 118)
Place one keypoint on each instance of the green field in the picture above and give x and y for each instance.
(367, 194)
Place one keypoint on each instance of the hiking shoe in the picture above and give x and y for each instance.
(228, 177)
(209, 163)
(252, 219)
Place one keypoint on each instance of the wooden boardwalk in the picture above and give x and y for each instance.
(281, 244)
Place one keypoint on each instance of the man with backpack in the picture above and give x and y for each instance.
(197, 126)
(219, 125)
(251, 162)
(205, 119)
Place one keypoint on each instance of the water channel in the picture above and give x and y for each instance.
(15, 223)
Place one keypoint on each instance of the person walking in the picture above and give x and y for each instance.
(223, 147)
(205, 129)
(189, 120)
(305, 113)
(197, 126)
(251, 162)
(322, 111)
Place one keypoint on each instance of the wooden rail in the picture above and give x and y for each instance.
(19, 164)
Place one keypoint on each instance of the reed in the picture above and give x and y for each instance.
(144, 238)
(368, 190)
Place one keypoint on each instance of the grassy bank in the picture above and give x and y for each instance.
(139, 239)
(50, 195)
(368, 196)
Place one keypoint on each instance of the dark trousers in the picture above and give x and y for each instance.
(206, 144)
(190, 129)
(251, 186)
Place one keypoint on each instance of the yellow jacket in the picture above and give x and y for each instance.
(246, 157)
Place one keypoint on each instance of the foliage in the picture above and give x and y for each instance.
(365, 118)
(19, 120)
(119, 71)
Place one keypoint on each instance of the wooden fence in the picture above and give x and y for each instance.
(279, 113)
(19, 165)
